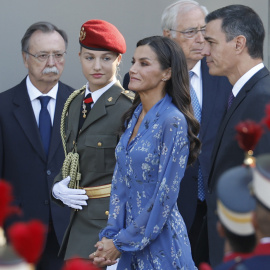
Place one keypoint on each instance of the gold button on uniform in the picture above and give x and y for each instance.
(106, 213)
(99, 144)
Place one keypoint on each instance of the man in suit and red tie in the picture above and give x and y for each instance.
(31, 152)
(234, 48)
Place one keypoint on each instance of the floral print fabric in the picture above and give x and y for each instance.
(144, 221)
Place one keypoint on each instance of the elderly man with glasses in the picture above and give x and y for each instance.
(31, 152)
(184, 22)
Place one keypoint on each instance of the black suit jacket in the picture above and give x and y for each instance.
(248, 104)
(23, 160)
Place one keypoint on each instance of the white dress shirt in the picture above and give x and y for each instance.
(196, 82)
(97, 94)
(34, 94)
(241, 82)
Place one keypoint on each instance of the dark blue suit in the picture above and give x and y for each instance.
(248, 104)
(23, 161)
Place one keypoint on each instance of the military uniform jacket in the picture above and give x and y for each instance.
(95, 143)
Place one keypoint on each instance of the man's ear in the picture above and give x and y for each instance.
(240, 43)
(167, 33)
(25, 56)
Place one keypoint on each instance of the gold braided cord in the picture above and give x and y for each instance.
(71, 163)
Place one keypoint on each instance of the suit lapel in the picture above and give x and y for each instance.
(237, 101)
(26, 119)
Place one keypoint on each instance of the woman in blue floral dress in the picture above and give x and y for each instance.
(145, 229)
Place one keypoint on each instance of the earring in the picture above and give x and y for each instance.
(164, 80)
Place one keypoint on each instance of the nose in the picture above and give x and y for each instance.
(97, 65)
(51, 60)
(132, 69)
(206, 49)
(200, 37)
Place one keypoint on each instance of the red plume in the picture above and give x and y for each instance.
(248, 134)
(28, 239)
(204, 266)
(77, 263)
(5, 200)
(266, 120)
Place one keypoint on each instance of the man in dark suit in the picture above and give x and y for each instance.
(187, 30)
(28, 159)
(234, 48)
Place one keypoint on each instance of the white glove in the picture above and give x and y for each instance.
(73, 198)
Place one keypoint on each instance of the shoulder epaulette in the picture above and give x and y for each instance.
(128, 94)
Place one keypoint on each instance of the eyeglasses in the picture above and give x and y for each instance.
(42, 57)
(190, 33)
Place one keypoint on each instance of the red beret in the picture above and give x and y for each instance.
(101, 35)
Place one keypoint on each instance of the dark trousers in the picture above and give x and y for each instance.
(198, 239)
(49, 259)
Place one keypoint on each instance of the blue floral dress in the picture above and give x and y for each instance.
(144, 221)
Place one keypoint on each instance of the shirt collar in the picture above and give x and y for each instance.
(197, 69)
(241, 82)
(34, 93)
(96, 94)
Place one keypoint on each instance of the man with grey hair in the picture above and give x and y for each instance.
(31, 152)
(183, 21)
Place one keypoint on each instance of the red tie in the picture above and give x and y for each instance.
(88, 99)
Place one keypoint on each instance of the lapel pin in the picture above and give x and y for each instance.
(110, 99)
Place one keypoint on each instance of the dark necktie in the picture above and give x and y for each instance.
(197, 113)
(230, 100)
(86, 107)
(45, 125)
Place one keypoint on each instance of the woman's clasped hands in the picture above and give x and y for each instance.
(106, 253)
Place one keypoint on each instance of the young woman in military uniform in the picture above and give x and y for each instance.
(90, 127)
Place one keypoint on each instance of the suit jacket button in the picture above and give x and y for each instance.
(106, 213)
(49, 172)
(46, 202)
